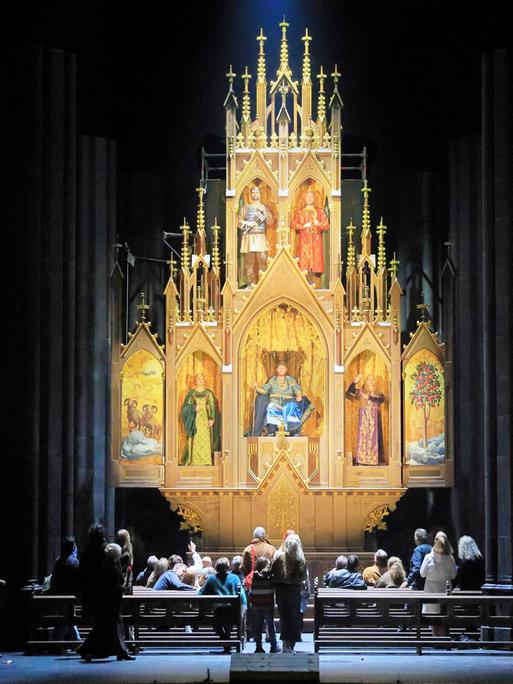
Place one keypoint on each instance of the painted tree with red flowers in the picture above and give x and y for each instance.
(426, 391)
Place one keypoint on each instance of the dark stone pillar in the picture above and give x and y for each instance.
(95, 249)
(463, 309)
(497, 182)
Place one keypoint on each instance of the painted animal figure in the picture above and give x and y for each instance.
(148, 420)
(134, 416)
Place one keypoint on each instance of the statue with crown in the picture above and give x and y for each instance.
(282, 391)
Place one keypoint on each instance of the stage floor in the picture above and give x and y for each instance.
(170, 667)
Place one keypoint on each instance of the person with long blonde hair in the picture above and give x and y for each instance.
(439, 569)
(288, 576)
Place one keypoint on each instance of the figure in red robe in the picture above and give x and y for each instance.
(309, 223)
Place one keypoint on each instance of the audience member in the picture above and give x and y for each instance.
(64, 582)
(261, 600)
(288, 575)
(127, 559)
(91, 567)
(395, 575)
(259, 546)
(372, 574)
(161, 566)
(414, 579)
(471, 566)
(106, 637)
(224, 583)
(346, 577)
(64, 579)
(235, 566)
(340, 564)
(170, 580)
(439, 569)
(142, 578)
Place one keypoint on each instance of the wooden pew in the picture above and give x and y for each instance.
(157, 618)
(393, 617)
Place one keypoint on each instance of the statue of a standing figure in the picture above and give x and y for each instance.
(310, 223)
(254, 246)
(280, 401)
(201, 420)
(370, 447)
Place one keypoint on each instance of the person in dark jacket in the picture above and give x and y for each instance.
(91, 565)
(471, 565)
(470, 575)
(422, 548)
(348, 577)
(224, 583)
(171, 581)
(64, 582)
(143, 577)
(106, 637)
(261, 600)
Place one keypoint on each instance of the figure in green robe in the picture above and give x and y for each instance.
(201, 420)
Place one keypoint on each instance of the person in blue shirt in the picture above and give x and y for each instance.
(171, 581)
(224, 583)
(422, 548)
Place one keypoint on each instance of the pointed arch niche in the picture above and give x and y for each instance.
(367, 412)
(284, 333)
(268, 197)
(196, 363)
(310, 230)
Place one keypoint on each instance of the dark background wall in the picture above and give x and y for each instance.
(77, 77)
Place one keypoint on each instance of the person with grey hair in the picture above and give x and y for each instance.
(422, 548)
(144, 575)
(258, 547)
(106, 637)
(471, 565)
(372, 573)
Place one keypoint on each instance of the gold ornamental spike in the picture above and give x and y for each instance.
(246, 105)
(321, 106)
(351, 257)
(200, 241)
(230, 75)
(381, 231)
(284, 50)
(185, 245)
(394, 264)
(216, 254)
(261, 56)
(336, 100)
(142, 307)
(306, 56)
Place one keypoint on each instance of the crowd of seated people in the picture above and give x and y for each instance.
(262, 575)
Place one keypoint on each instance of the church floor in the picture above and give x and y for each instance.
(170, 667)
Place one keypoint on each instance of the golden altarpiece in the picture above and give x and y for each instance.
(201, 416)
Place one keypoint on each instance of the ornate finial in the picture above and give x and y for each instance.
(230, 76)
(246, 109)
(366, 212)
(216, 254)
(185, 244)
(172, 267)
(261, 55)
(422, 308)
(351, 256)
(142, 307)
(321, 107)
(381, 230)
(394, 264)
(335, 98)
(306, 57)
(284, 49)
(201, 211)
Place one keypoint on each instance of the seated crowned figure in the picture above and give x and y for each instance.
(280, 401)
